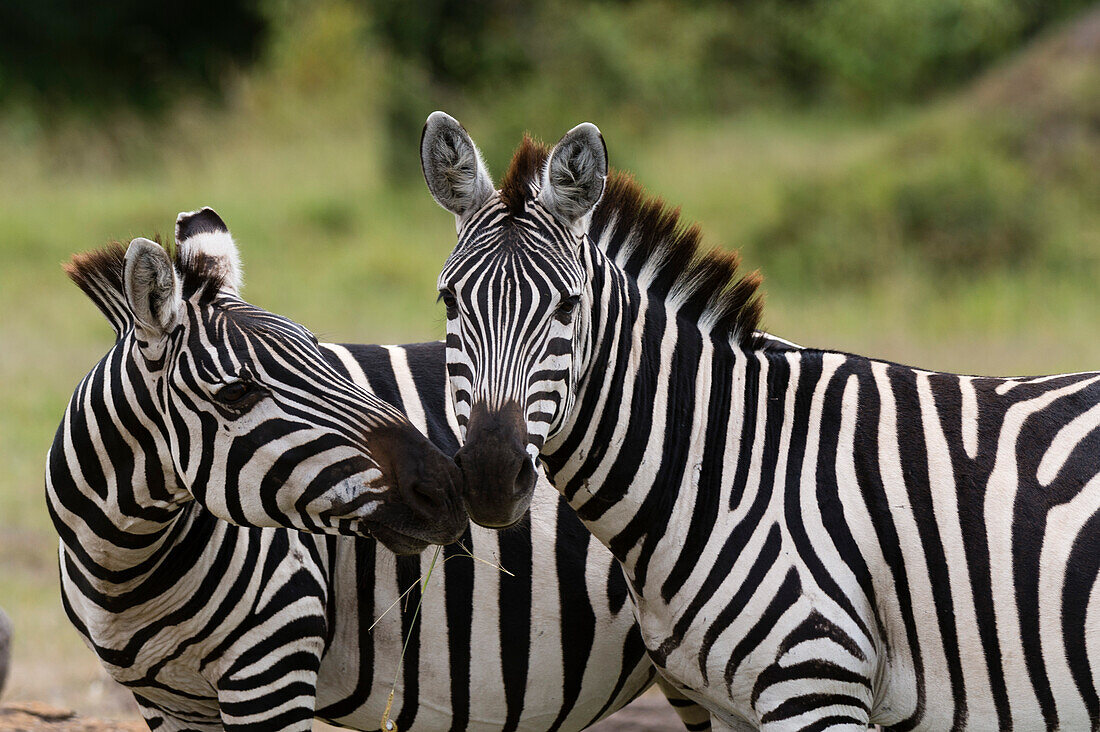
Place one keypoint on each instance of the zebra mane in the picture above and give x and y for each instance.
(523, 172)
(646, 239)
(98, 274)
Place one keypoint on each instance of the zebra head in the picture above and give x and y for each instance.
(257, 426)
(514, 289)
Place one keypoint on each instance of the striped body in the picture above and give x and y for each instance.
(813, 540)
(554, 647)
(843, 540)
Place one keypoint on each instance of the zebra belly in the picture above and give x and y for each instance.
(552, 647)
(781, 672)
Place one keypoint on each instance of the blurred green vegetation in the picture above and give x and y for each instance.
(68, 55)
(917, 181)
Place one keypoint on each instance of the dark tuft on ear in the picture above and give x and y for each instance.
(204, 245)
(203, 221)
(575, 173)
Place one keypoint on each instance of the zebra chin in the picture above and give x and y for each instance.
(498, 473)
(397, 527)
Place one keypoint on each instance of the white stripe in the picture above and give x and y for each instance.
(410, 397)
(945, 506)
(1063, 444)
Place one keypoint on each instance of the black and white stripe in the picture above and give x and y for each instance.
(814, 540)
(214, 625)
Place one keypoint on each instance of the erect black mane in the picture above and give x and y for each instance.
(99, 273)
(638, 231)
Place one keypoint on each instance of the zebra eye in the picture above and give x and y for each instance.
(234, 393)
(449, 302)
(567, 305)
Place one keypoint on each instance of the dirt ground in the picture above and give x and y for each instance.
(651, 713)
(34, 716)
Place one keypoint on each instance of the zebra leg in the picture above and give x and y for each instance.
(720, 726)
(266, 690)
(694, 717)
(162, 721)
(285, 704)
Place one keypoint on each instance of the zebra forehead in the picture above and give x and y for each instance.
(516, 242)
(500, 270)
(497, 227)
(234, 324)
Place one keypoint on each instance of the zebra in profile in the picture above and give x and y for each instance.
(813, 540)
(205, 400)
(215, 625)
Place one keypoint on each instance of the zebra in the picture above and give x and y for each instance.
(218, 624)
(812, 539)
(5, 648)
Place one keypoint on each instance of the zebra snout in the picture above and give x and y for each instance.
(497, 472)
(429, 485)
(431, 488)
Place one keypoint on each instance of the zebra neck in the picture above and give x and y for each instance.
(110, 482)
(651, 421)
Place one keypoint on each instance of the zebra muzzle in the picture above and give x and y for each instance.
(498, 474)
(424, 499)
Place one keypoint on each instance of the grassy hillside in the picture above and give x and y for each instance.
(961, 237)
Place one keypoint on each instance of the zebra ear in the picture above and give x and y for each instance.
(575, 173)
(453, 168)
(152, 289)
(203, 233)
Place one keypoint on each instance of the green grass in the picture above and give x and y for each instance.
(837, 211)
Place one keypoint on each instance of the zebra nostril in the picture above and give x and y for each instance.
(427, 495)
(525, 478)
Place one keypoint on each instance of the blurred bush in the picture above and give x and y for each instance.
(994, 180)
(953, 214)
(712, 54)
(992, 177)
(644, 59)
(67, 54)
(509, 62)
(874, 52)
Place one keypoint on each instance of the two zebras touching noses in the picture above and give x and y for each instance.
(213, 432)
(806, 539)
(230, 368)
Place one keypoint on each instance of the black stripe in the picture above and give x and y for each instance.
(705, 511)
(515, 617)
(578, 621)
(458, 584)
(913, 454)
